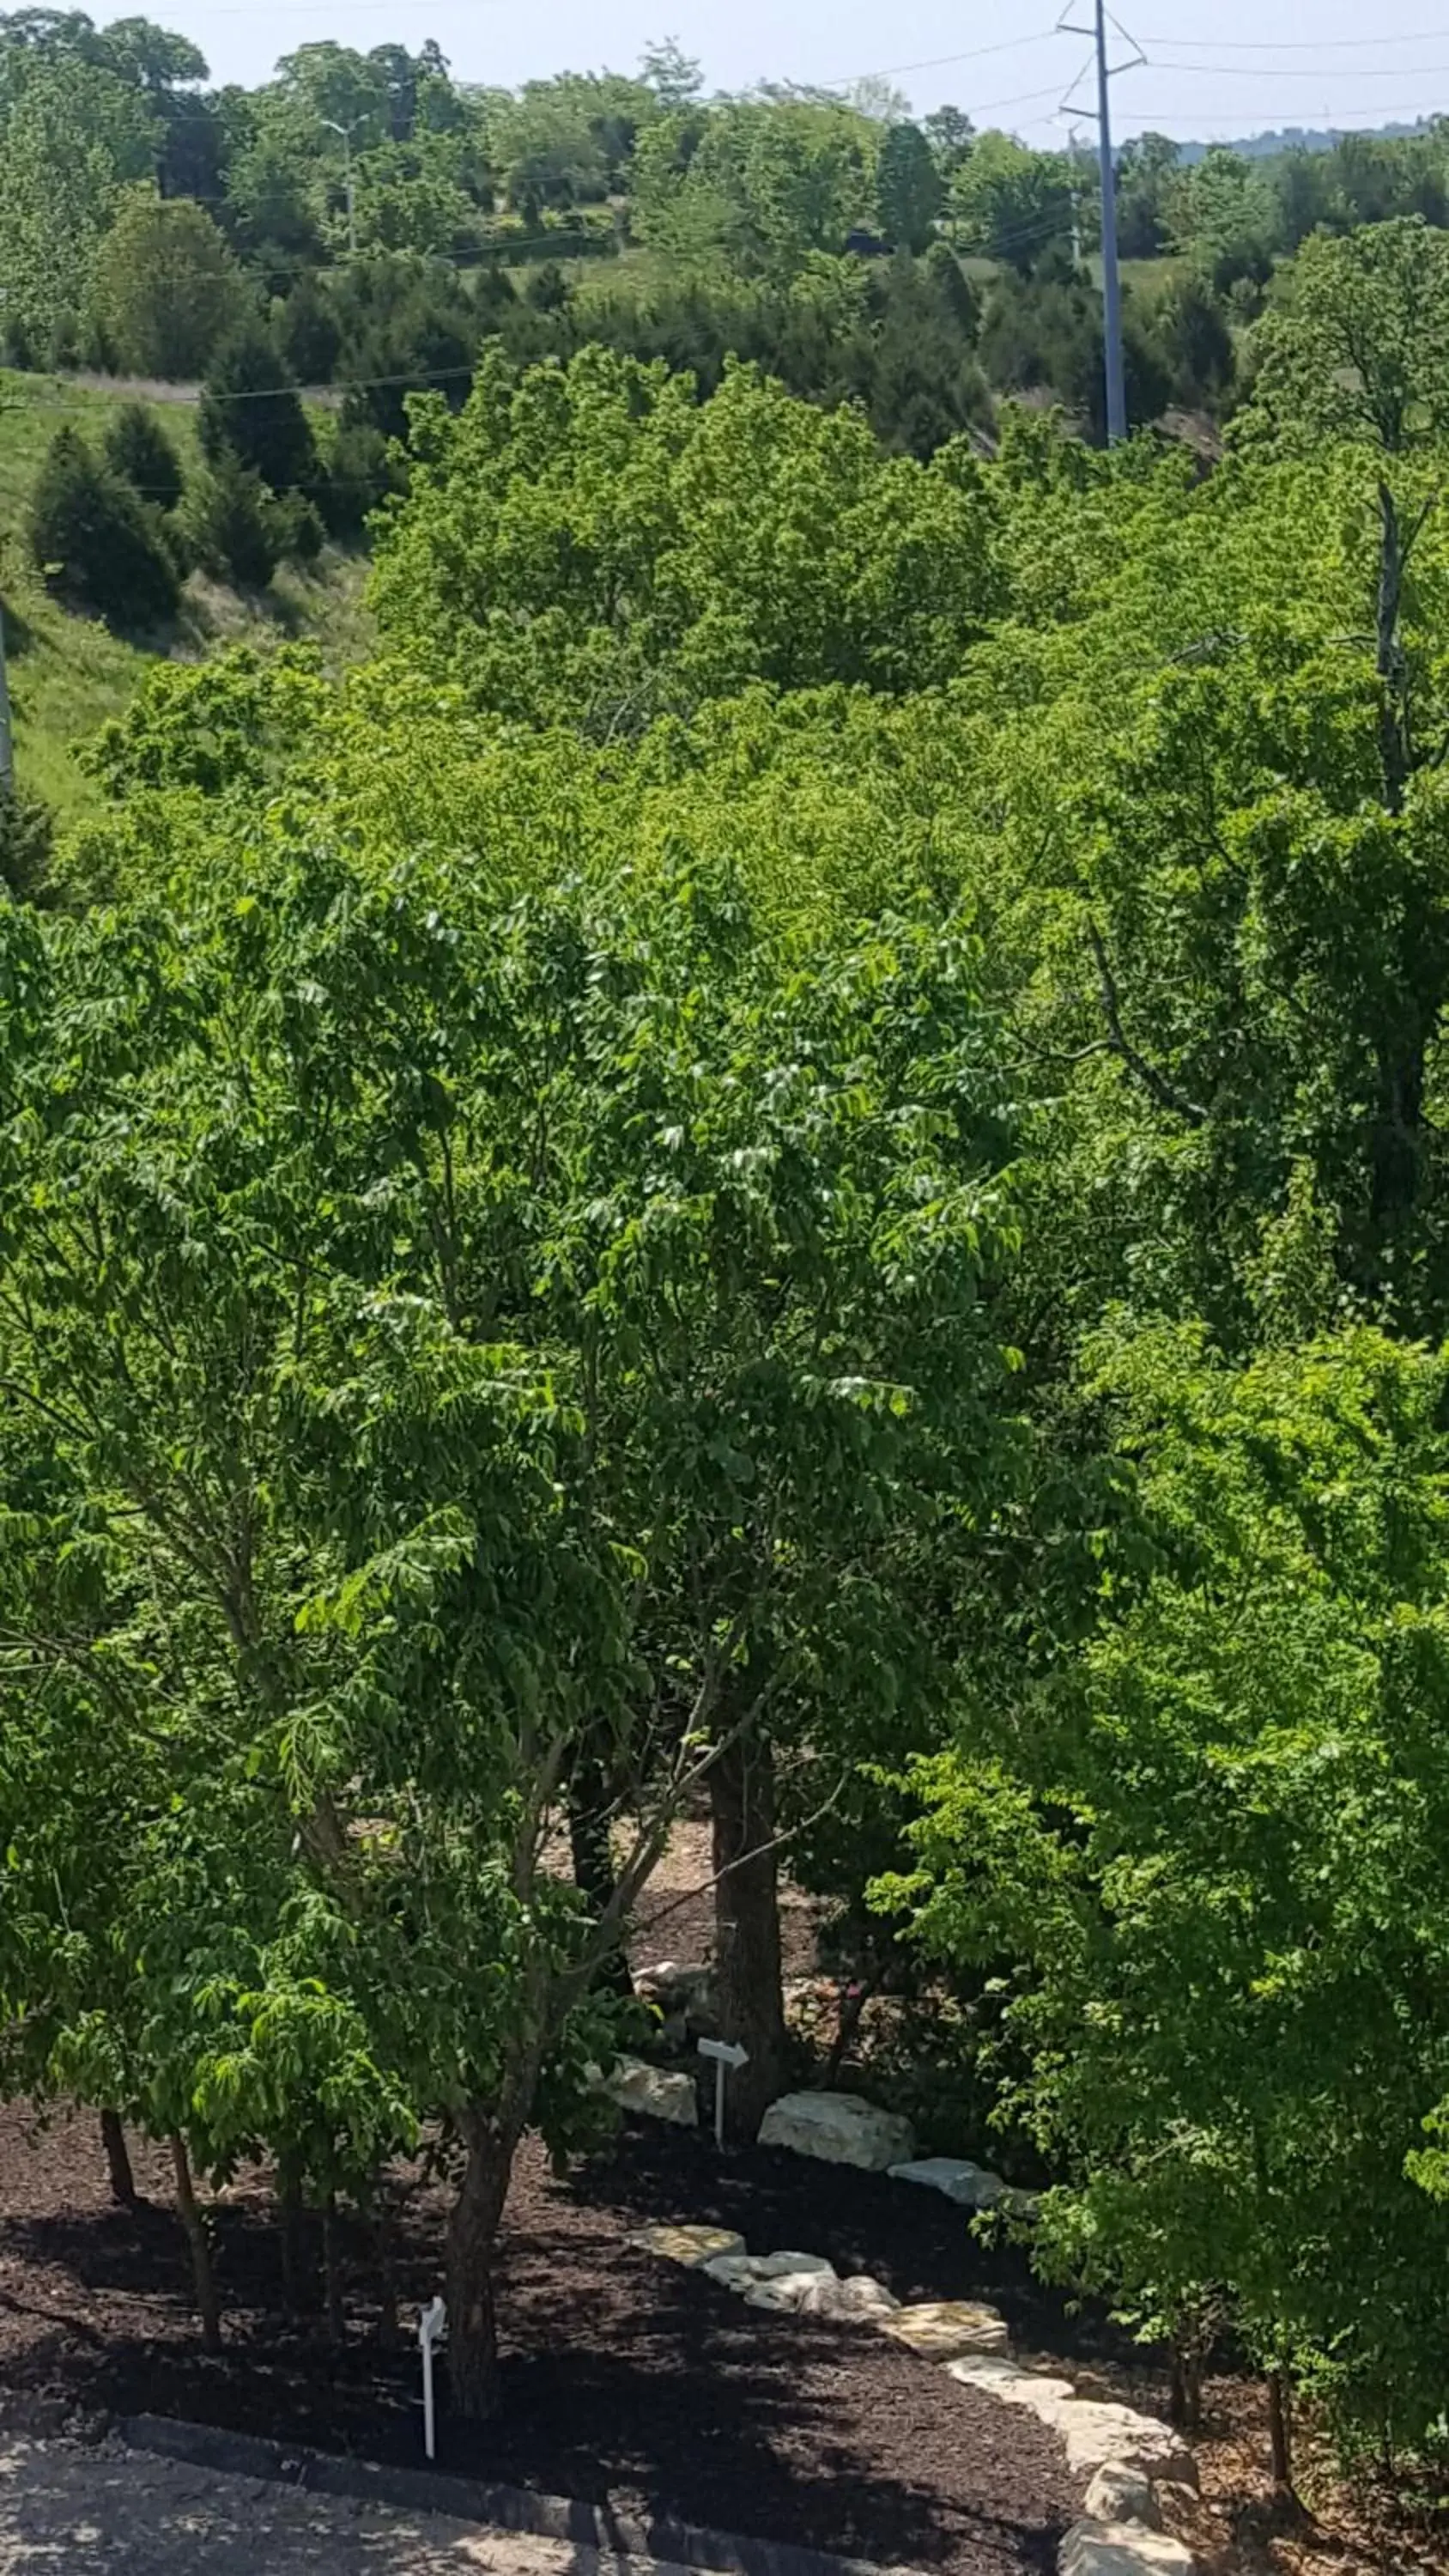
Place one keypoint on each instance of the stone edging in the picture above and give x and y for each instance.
(1129, 2454)
(502, 2508)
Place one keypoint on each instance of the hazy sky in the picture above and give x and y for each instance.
(1211, 70)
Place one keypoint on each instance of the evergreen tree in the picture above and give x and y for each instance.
(93, 537)
(137, 448)
(250, 410)
(908, 190)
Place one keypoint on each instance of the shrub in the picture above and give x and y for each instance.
(358, 477)
(233, 523)
(297, 526)
(26, 837)
(137, 448)
(94, 539)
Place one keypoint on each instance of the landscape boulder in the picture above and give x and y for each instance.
(1096, 2434)
(745, 2271)
(1121, 2494)
(784, 2291)
(683, 1993)
(970, 2186)
(839, 2128)
(637, 2086)
(943, 2328)
(691, 2246)
(859, 2298)
(1122, 2549)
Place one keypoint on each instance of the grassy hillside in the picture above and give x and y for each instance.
(68, 673)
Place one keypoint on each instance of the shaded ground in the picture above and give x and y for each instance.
(129, 2514)
(626, 2380)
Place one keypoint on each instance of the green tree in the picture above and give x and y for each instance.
(165, 289)
(1009, 203)
(249, 409)
(591, 545)
(137, 447)
(1232, 2004)
(1220, 214)
(93, 538)
(909, 192)
(71, 138)
(232, 523)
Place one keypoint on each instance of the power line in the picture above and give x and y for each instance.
(1297, 44)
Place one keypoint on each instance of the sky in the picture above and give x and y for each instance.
(1234, 68)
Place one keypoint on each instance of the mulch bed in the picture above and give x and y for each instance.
(626, 2380)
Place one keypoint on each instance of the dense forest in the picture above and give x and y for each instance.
(789, 1157)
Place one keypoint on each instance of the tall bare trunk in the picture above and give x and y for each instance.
(294, 2234)
(118, 2160)
(589, 1807)
(472, 2238)
(1396, 758)
(1280, 2433)
(196, 2238)
(749, 1999)
(332, 2272)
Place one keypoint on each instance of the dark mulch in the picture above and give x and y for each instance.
(627, 2381)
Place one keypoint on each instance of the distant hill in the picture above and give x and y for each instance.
(1302, 138)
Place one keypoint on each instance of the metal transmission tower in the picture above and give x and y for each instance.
(1111, 280)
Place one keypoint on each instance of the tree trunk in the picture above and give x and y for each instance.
(1280, 2432)
(196, 2238)
(382, 2237)
(1396, 757)
(118, 2160)
(332, 2272)
(294, 2238)
(1185, 2402)
(593, 1861)
(857, 1996)
(472, 2235)
(749, 2000)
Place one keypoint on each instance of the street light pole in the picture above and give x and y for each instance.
(347, 132)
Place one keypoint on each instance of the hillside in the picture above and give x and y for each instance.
(68, 672)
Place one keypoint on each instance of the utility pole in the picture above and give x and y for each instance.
(1115, 369)
(1111, 280)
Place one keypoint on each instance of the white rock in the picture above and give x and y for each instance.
(786, 2291)
(733, 2271)
(1095, 2434)
(694, 2247)
(860, 2297)
(744, 2271)
(970, 2186)
(652, 2090)
(1122, 2549)
(942, 2328)
(839, 2128)
(1122, 2494)
(683, 1993)
(1040, 2394)
(987, 2371)
(669, 1982)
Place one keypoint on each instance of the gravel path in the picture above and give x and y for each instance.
(65, 2508)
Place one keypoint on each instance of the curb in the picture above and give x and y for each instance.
(545, 2517)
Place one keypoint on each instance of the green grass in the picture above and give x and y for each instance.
(69, 673)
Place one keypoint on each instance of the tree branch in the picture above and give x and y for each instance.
(1153, 1080)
